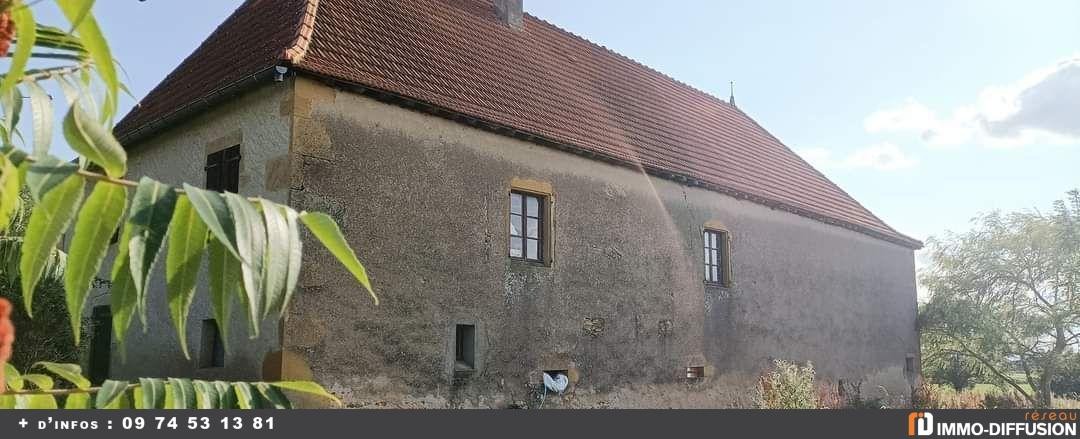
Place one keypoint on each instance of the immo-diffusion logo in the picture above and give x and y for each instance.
(920, 424)
(1035, 423)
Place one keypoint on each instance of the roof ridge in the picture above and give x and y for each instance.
(295, 52)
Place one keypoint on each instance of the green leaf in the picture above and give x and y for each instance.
(244, 397)
(183, 393)
(12, 377)
(97, 222)
(77, 401)
(308, 387)
(273, 396)
(110, 392)
(123, 298)
(91, 139)
(224, 282)
(82, 11)
(42, 112)
(215, 214)
(295, 256)
(16, 155)
(43, 382)
(12, 104)
(26, 35)
(225, 394)
(276, 264)
(45, 173)
(251, 242)
(9, 191)
(69, 88)
(187, 241)
(56, 38)
(35, 402)
(326, 230)
(47, 224)
(151, 211)
(206, 396)
(153, 393)
(72, 373)
(95, 44)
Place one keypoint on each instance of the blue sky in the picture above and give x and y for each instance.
(927, 112)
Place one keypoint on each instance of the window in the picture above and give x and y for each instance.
(526, 226)
(223, 170)
(717, 270)
(100, 343)
(465, 347)
(212, 351)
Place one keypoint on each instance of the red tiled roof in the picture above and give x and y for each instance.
(540, 80)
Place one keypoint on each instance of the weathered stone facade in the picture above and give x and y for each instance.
(621, 305)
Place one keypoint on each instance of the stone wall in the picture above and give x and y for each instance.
(621, 306)
(260, 123)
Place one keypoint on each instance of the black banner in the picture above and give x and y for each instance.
(654, 424)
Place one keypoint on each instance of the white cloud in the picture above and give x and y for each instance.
(1041, 107)
(880, 157)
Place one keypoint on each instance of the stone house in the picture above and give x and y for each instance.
(525, 201)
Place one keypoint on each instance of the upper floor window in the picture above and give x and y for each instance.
(716, 257)
(527, 226)
(223, 170)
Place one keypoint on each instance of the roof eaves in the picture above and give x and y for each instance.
(194, 107)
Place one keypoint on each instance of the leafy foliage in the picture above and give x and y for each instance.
(1067, 383)
(41, 338)
(1006, 295)
(40, 390)
(957, 371)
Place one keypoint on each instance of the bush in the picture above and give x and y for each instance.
(956, 371)
(1067, 382)
(925, 396)
(787, 386)
(1003, 400)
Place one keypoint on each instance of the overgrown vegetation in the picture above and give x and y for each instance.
(788, 386)
(253, 245)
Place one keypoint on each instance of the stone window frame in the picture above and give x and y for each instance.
(543, 191)
(479, 346)
(724, 252)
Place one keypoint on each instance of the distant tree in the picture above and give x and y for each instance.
(1008, 293)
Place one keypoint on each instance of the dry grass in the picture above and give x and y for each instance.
(981, 397)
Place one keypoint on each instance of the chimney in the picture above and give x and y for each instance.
(510, 12)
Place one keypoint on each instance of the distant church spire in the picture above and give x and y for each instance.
(731, 99)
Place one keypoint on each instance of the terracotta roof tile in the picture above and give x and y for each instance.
(539, 79)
